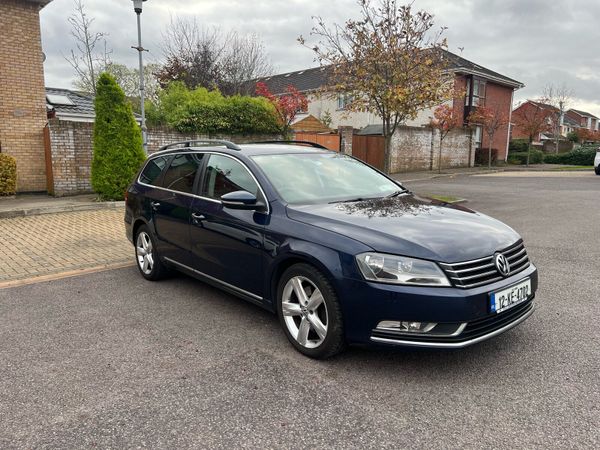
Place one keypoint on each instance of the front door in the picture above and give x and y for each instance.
(172, 207)
(227, 244)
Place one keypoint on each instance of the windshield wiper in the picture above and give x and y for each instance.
(397, 193)
(358, 199)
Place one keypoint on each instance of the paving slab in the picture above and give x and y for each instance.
(32, 246)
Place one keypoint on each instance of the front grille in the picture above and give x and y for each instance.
(473, 330)
(482, 271)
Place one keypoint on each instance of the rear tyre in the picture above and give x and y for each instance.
(309, 312)
(146, 256)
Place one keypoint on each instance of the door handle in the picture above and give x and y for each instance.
(155, 205)
(196, 216)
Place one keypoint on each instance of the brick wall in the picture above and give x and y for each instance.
(22, 94)
(71, 144)
(158, 136)
(71, 149)
(417, 148)
(498, 97)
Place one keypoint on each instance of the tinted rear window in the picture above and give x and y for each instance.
(181, 174)
(152, 171)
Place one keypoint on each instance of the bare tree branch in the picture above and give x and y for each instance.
(86, 60)
(205, 57)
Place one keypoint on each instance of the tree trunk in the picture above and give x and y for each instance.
(440, 154)
(388, 145)
(490, 155)
(528, 151)
(386, 154)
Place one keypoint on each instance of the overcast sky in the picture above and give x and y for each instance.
(533, 41)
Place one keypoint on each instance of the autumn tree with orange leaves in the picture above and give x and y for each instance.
(287, 106)
(532, 121)
(491, 118)
(390, 62)
(444, 120)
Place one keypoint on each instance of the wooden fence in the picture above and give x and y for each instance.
(370, 149)
(329, 140)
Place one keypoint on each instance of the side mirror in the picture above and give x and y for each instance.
(241, 200)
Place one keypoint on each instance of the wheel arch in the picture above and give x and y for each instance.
(137, 223)
(326, 260)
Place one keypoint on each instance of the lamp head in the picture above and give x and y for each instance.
(137, 5)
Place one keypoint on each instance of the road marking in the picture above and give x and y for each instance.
(61, 275)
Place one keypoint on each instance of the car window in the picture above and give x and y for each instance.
(323, 177)
(224, 175)
(182, 172)
(152, 171)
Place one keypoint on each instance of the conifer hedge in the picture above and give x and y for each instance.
(118, 152)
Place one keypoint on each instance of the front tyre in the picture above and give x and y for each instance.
(148, 261)
(597, 170)
(309, 312)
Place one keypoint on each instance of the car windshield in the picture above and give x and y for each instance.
(302, 178)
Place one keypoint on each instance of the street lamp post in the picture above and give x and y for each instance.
(137, 7)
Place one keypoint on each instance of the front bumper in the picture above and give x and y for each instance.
(366, 304)
(473, 332)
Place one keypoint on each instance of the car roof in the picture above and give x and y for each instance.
(266, 148)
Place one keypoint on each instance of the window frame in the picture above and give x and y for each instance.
(199, 172)
(473, 99)
(160, 176)
(343, 100)
(200, 176)
(261, 194)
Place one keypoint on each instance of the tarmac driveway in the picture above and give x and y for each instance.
(110, 360)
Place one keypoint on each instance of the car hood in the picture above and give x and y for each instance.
(412, 226)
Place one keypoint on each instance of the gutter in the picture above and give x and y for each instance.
(504, 81)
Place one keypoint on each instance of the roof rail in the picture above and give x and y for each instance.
(184, 144)
(310, 144)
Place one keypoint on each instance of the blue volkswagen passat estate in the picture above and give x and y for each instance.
(342, 253)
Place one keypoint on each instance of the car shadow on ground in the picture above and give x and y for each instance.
(430, 363)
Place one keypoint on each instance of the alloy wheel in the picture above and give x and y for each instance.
(304, 312)
(143, 250)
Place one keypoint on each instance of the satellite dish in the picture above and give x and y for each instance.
(43, 57)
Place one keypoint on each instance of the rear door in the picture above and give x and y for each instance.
(227, 244)
(172, 207)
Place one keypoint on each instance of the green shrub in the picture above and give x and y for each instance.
(208, 112)
(118, 152)
(573, 136)
(8, 175)
(517, 146)
(535, 157)
(482, 156)
(584, 156)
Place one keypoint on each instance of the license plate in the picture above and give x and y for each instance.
(509, 297)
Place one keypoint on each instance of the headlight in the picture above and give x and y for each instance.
(400, 270)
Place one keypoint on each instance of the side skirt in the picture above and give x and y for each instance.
(238, 292)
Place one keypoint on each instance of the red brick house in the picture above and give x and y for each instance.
(571, 121)
(584, 119)
(482, 87)
(527, 108)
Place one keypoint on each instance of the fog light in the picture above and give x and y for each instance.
(406, 327)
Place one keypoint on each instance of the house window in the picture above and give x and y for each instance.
(478, 88)
(344, 100)
(477, 133)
